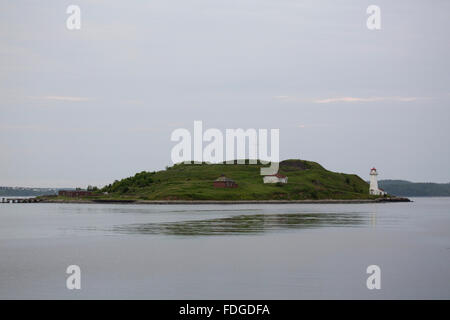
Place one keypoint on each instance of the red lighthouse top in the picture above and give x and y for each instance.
(373, 169)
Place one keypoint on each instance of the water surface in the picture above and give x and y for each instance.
(286, 251)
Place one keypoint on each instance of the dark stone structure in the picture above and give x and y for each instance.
(224, 182)
(74, 193)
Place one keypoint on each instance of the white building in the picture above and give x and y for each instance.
(373, 189)
(275, 178)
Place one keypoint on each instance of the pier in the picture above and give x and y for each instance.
(20, 200)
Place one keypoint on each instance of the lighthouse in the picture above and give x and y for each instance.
(373, 189)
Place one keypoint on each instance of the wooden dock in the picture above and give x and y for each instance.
(20, 200)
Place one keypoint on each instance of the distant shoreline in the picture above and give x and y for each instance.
(190, 202)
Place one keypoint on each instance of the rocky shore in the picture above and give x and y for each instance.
(186, 202)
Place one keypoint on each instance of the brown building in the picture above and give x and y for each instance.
(74, 193)
(224, 182)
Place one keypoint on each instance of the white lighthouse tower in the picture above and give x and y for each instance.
(373, 189)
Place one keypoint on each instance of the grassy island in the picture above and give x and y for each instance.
(306, 181)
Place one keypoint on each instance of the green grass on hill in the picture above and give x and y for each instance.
(306, 180)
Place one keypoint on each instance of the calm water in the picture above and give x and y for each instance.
(290, 251)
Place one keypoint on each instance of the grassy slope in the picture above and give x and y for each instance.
(307, 180)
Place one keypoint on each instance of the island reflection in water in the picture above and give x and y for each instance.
(248, 224)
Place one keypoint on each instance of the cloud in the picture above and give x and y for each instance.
(63, 98)
(290, 99)
(370, 99)
(347, 99)
(88, 130)
(24, 128)
(82, 99)
(44, 129)
(318, 125)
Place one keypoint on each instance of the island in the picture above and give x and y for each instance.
(415, 189)
(297, 181)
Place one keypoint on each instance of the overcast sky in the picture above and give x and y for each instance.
(93, 105)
